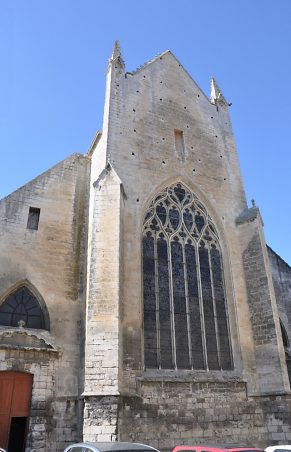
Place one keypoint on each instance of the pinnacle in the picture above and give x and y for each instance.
(116, 53)
(116, 50)
(216, 95)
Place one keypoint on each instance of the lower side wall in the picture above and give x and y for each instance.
(163, 414)
(54, 421)
(167, 414)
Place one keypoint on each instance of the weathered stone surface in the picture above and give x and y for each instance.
(84, 265)
(50, 260)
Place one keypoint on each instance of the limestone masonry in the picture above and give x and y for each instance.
(138, 298)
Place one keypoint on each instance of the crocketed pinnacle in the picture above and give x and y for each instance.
(116, 54)
(216, 95)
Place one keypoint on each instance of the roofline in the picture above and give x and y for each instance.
(95, 141)
(278, 256)
(160, 55)
(75, 155)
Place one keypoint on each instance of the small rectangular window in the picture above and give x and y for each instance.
(179, 144)
(33, 218)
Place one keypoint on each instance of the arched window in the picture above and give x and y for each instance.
(286, 348)
(284, 335)
(22, 308)
(185, 315)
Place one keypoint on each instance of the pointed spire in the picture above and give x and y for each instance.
(216, 95)
(116, 50)
(116, 54)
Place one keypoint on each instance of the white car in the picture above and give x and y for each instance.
(110, 447)
(279, 448)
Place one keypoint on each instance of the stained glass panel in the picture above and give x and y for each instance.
(179, 301)
(164, 305)
(21, 308)
(185, 315)
(150, 329)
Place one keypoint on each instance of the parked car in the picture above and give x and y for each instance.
(110, 447)
(216, 449)
(278, 448)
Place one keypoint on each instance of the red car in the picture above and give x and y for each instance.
(215, 449)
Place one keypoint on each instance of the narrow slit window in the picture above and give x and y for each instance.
(33, 218)
(179, 144)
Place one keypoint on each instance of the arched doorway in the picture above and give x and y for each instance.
(15, 398)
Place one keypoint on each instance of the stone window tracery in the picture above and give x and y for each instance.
(185, 314)
(22, 308)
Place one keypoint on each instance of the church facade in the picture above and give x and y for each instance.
(138, 298)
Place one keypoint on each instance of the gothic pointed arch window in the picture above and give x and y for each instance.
(284, 335)
(286, 345)
(185, 312)
(22, 308)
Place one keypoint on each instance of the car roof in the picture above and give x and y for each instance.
(279, 446)
(243, 448)
(109, 446)
(218, 447)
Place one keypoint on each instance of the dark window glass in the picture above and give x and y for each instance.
(186, 450)
(286, 346)
(208, 309)
(164, 305)
(254, 450)
(194, 308)
(284, 335)
(224, 345)
(21, 308)
(282, 450)
(185, 315)
(180, 312)
(150, 321)
(33, 218)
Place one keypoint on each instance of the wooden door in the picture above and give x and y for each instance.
(15, 398)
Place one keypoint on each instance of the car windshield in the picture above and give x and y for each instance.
(184, 449)
(125, 449)
(282, 450)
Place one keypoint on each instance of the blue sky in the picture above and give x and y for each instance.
(53, 60)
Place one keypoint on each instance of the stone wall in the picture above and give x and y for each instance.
(101, 417)
(51, 262)
(270, 364)
(281, 273)
(169, 413)
(262, 315)
(85, 263)
(174, 413)
(144, 112)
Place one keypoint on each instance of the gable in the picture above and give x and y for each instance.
(167, 62)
